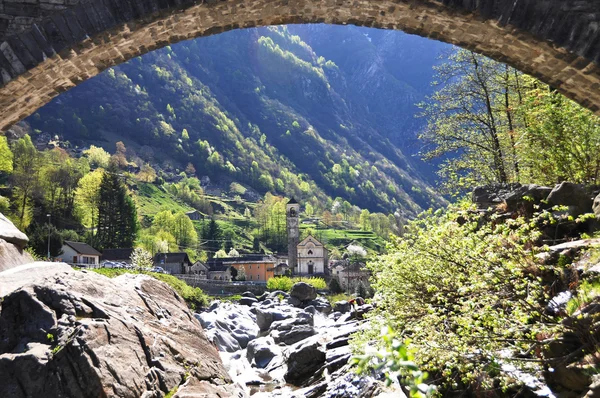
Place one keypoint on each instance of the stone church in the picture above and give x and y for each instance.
(308, 257)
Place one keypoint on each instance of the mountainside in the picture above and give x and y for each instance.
(311, 111)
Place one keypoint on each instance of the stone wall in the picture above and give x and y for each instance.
(221, 288)
(557, 41)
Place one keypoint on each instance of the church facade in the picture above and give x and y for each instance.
(308, 257)
(312, 257)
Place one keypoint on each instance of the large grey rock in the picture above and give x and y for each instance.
(321, 304)
(515, 196)
(575, 196)
(266, 316)
(261, 351)
(304, 359)
(596, 206)
(12, 256)
(248, 301)
(295, 334)
(80, 334)
(341, 306)
(228, 326)
(11, 234)
(303, 291)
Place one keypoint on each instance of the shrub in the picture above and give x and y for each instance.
(464, 291)
(335, 287)
(280, 283)
(285, 283)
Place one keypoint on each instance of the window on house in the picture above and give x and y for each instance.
(310, 252)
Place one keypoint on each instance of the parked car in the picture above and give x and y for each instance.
(109, 264)
(159, 270)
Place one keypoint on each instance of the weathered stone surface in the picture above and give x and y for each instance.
(341, 306)
(304, 359)
(50, 46)
(230, 330)
(303, 291)
(576, 196)
(80, 334)
(248, 301)
(11, 256)
(261, 351)
(11, 234)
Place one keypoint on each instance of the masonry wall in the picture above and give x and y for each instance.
(70, 41)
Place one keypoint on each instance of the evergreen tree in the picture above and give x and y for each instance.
(335, 287)
(117, 217)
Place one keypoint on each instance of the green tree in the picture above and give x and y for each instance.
(87, 198)
(25, 177)
(6, 156)
(365, 222)
(466, 117)
(97, 156)
(141, 259)
(117, 216)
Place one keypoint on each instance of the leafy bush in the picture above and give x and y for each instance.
(397, 364)
(464, 291)
(335, 287)
(193, 296)
(285, 283)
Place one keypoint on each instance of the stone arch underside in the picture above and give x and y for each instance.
(557, 41)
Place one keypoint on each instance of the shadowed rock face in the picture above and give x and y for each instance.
(79, 334)
(12, 242)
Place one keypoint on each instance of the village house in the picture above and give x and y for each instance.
(80, 254)
(257, 267)
(219, 272)
(194, 215)
(117, 255)
(351, 276)
(312, 257)
(173, 263)
(199, 269)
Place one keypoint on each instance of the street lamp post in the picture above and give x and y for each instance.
(48, 236)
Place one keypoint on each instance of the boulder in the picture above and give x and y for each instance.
(247, 301)
(229, 327)
(575, 196)
(11, 234)
(261, 351)
(303, 291)
(295, 334)
(249, 294)
(321, 305)
(294, 302)
(12, 256)
(80, 334)
(292, 330)
(341, 306)
(266, 316)
(304, 359)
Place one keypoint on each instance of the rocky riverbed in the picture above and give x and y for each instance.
(290, 345)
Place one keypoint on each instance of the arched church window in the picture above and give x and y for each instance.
(310, 252)
(292, 212)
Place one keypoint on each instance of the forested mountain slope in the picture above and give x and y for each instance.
(311, 111)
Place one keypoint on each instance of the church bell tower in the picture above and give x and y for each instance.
(292, 212)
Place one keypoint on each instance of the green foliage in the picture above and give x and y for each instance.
(396, 362)
(493, 124)
(334, 286)
(587, 291)
(97, 156)
(463, 290)
(285, 283)
(117, 217)
(141, 259)
(6, 156)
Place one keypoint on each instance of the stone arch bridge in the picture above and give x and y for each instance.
(49, 46)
